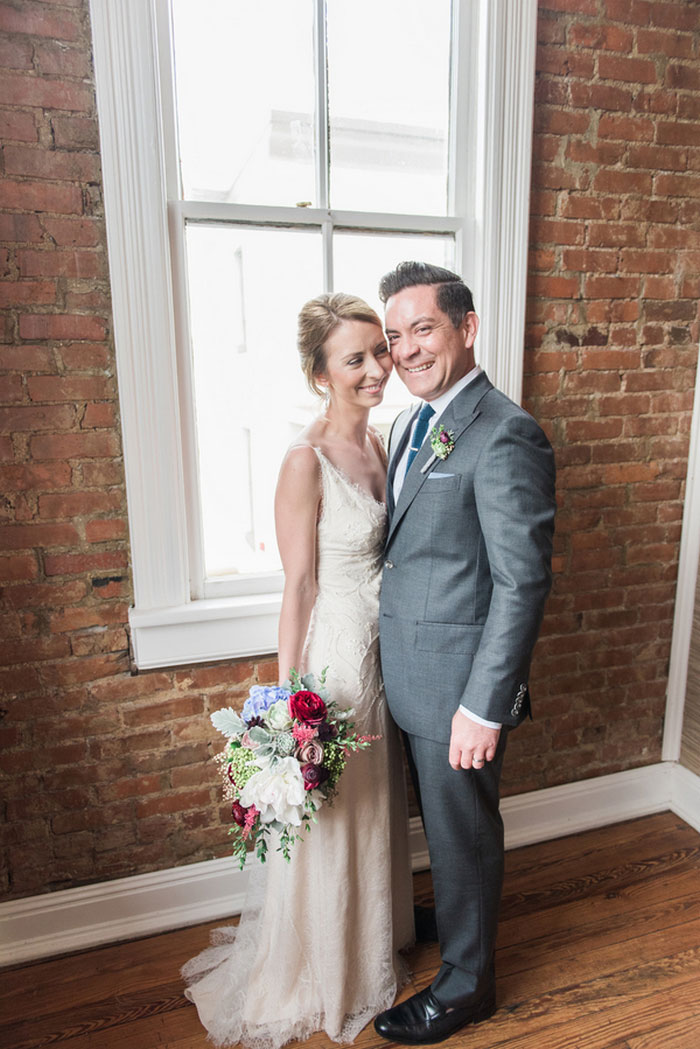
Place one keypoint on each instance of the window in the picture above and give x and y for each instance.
(254, 155)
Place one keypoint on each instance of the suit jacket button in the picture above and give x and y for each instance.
(388, 564)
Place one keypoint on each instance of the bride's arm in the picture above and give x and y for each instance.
(297, 502)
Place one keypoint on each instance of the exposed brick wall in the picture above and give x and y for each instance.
(610, 367)
(108, 772)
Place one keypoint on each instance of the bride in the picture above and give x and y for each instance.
(317, 944)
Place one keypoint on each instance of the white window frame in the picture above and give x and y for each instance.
(491, 130)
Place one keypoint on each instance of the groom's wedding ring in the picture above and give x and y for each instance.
(477, 761)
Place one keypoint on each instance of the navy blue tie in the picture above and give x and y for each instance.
(424, 417)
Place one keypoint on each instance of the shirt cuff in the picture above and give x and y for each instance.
(480, 721)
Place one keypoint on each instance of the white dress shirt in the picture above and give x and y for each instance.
(439, 405)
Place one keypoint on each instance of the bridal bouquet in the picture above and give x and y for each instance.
(286, 752)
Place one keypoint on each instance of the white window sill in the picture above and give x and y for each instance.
(205, 631)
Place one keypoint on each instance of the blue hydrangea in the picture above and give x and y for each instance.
(260, 698)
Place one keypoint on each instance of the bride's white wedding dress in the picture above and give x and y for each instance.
(317, 944)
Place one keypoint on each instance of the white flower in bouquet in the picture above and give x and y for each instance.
(277, 792)
(278, 717)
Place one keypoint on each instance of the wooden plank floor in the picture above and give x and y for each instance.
(599, 948)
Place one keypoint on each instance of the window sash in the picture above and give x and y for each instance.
(490, 157)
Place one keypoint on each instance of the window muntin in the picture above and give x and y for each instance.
(328, 116)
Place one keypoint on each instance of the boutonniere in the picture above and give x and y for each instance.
(442, 442)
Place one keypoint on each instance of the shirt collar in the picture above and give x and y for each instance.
(441, 402)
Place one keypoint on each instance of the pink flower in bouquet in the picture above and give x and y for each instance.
(307, 707)
(302, 733)
(311, 752)
(247, 742)
(251, 816)
(314, 775)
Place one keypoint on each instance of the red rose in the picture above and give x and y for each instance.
(307, 707)
(314, 775)
(238, 813)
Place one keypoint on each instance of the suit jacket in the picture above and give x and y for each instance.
(468, 565)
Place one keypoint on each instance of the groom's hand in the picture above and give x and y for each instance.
(471, 744)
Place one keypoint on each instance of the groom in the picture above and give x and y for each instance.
(466, 576)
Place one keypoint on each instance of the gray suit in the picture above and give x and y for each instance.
(465, 581)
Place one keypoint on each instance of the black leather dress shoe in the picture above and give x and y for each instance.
(422, 1020)
(425, 923)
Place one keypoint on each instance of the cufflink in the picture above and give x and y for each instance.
(519, 700)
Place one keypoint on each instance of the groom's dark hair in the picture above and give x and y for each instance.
(453, 296)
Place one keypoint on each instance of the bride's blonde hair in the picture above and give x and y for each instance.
(317, 319)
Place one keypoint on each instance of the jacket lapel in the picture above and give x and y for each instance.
(399, 441)
(458, 417)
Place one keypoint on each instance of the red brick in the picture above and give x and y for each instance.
(104, 530)
(85, 357)
(56, 59)
(17, 126)
(24, 536)
(656, 158)
(49, 263)
(67, 388)
(89, 668)
(49, 594)
(561, 122)
(87, 616)
(23, 476)
(51, 164)
(635, 12)
(677, 185)
(631, 70)
(689, 107)
(584, 7)
(75, 564)
(40, 196)
(33, 650)
(611, 234)
(26, 358)
(98, 415)
(602, 152)
(597, 36)
(553, 287)
(173, 803)
(607, 181)
(546, 231)
(17, 568)
(87, 445)
(163, 713)
(675, 45)
(595, 261)
(23, 90)
(75, 133)
(687, 78)
(675, 16)
(61, 326)
(593, 429)
(600, 96)
(77, 504)
(564, 62)
(36, 417)
(34, 20)
(611, 287)
(626, 129)
(79, 233)
(27, 292)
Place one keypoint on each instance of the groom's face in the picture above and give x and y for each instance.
(429, 353)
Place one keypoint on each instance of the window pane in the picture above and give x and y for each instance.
(245, 100)
(246, 287)
(359, 261)
(389, 77)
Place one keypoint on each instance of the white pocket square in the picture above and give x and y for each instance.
(435, 476)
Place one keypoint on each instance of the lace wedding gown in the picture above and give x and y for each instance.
(317, 944)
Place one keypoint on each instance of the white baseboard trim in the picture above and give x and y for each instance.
(126, 908)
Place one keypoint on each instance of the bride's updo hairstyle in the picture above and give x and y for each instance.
(317, 319)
